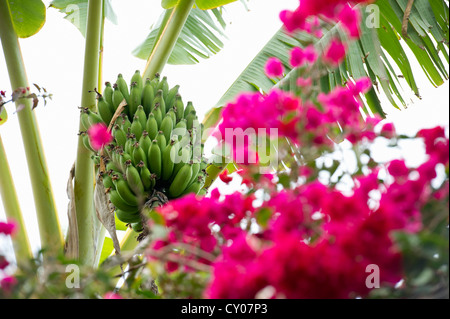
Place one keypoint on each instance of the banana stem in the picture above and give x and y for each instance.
(49, 228)
(84, 167)
(21, 244)
(169, 36)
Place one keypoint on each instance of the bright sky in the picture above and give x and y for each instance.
(54, 60)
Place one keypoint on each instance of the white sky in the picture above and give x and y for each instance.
(54, 60)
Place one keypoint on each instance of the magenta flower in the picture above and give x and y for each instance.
(310, 54)
(99, 136)
(112, 295)
(388, 130)
(274, 68)
(7, 284)
(297, 57)
(350, 19)
(335, 53)
(397, 168)
(8, 228)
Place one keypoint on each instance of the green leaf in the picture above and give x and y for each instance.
(253, 77)
(107, 249)
(3, 115)
(212, 4)
(76, 12)
(168, 4)
(200, 38)
(28, 16)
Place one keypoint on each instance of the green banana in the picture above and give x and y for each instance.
(123, 87)
(164, 87)
(108, 94)
(190, 119)
(171, 96)
(167, 126)
(123, 159)
(111, 166)
(161, 139)
(189, 108)
(87, 143)
(137, 78)
(138, 155)
(137, 227)
(173, 116)
(119, 202)
(129, 144)
(126, 123)
(145, 141)
(140, 113)
(181, 181)
(117, 97)
(154, 159)
(194, 187)
(104, 110)
(195, 172)
(135, 98)
(146, 178)
(155, 81)
(158, 114)
(128, 217)
(152, 126)
(184, 156)
(84, 119)
(94, 118)
(168, 157)
(148, 95)
(119, 135)
(179, 107)
(136, 128)
(134, 180)
(108, 182)
(126, 193)
(159, 99)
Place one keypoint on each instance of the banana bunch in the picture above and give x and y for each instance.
(156, 153)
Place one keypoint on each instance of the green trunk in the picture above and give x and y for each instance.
(88, 230)
(49, 228)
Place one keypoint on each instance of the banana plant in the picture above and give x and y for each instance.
(22, 19)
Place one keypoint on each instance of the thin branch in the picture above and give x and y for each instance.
(406, 18)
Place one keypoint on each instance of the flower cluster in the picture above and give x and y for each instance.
(302, 256)
(7, 283)
(304, 123)
(305, 17)
(191, 221)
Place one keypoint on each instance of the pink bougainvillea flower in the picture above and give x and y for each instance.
(398, 168)
(335, 52)
(3, 262)
(225, 178)
(112, 295)
(388, 130)
(8, 228)
(8, 283)
(310, 54)
(99, 136)
(274, 68)
(297, 57)
(350, 19)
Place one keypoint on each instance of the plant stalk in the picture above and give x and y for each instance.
(163, 48)
(21, 244)
(49, 228)
(84, 166)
